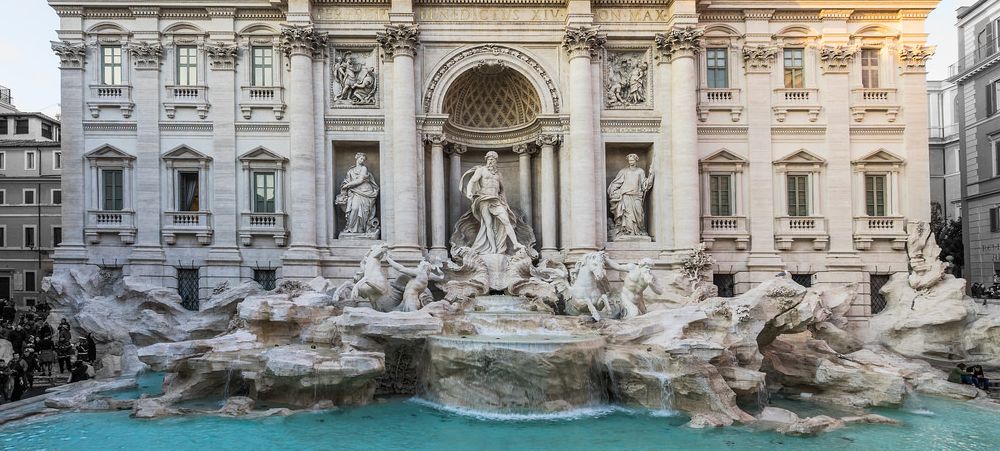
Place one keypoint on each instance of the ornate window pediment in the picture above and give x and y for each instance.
(801, 157)
(185, 153)
(108, 152)
(723, 160)
(880, 157)
(261, 157)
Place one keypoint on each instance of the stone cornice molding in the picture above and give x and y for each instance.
(913, 14)
(841, 14)
(758, 14)
(680, 42)
(68, 11)
(759, 58)
(145, 55)
(523, 148)
(399, 39)
(837, 58)
(547, 139)
(145, 11)
(220, 12)
(72, 55)
(914, 57)
(583, 41)
(301, 40)
(221, 55)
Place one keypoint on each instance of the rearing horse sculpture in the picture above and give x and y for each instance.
(589, 290)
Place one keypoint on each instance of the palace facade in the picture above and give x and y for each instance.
(218, 141)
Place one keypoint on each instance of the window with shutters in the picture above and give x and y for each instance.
(717, 67)
(992, 96)
(21, 127)
(869, 68)
(720, 193)
(263, 188)
(875, 195)
(30, 237)
(794, 64)
(263, 66)
(187, 65)
(112, 190)
(798, 194)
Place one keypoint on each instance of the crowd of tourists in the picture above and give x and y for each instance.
(40, 351)
(969, 375)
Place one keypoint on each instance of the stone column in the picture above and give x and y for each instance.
(913, 91)
(455, 195)
(582, 42)
(681, 44)
(224, 258)
(661, 217)
(439, 229)
(836, 61)
(302, 258)
(147, 256)
(399, 42)
(72, 56)
(548, 186)
(524, 152)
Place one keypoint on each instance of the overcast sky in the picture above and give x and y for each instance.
(30, 69)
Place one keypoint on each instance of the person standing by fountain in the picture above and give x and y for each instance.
(490, 214)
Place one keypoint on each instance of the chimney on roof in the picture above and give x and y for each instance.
(6, 101)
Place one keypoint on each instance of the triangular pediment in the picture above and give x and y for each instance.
(108, 152)
(261, 153)
(880, 156)
(801, 156)
(724, 156)
(183, 152)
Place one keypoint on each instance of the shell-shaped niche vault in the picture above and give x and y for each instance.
(492, 97)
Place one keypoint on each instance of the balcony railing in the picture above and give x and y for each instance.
(263, 224)
(870, 228)
(715, 228)
(727, 99)
(790, 228)
(186, 96)
(795, 99)
(874, 99)
(198, 223)
(121, 222)
(272, 97)
(110, 96)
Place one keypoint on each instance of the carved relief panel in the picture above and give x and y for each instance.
(354, 77)
(627, 79)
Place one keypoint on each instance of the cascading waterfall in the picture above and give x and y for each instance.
(666, 390)
(914, 404)
(763, 395)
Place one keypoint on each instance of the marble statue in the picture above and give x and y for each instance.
(590, 288)
(926, 269)
(490, 226)
(638, 276)
(627, 195)
(355, 80)
(535, 285)
(417, 281)
(467, 276)
(626, 81)
(358, 197)
(371, 282)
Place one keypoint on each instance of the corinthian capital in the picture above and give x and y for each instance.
(914, 57)
(71, 55)
(583, 40)
(221, 55)
(145, 54)
(435, 139)
(547, 140)
(679, 41)
(759, 58)
(837, 58)
(302, 40)
(399, 39)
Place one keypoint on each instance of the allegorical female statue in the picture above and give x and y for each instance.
(490, 226)
(358, 195)
(627, 195)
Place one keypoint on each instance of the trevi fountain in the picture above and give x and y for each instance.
(465, 351)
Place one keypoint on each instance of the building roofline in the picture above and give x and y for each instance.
(31, 113)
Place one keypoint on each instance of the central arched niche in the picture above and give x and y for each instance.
(491, 96)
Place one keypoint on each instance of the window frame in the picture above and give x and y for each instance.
(714, 208)
(273, 189)
(4, 126)
(117, 63)
(711, 69)
(52, 196)
(30, 160)
(870, 73)
(994, 217)
(796, 72)
(50, 128)
(267, 71)
(187, 65)
(3, 160)
(196, 201)
(34, 196)
(17, 126)
(24, 236)
(807, 193)
(3, 197)
(52, 236)
(57, 163)
(33, 279)
(871, 204)
(3, 236)
(104, 188)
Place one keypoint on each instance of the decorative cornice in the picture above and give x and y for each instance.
(583, 40)
(914, 57)
(117, 127)
(547, 139)
(723, 130)
(630, 125)
(145, 11)
(302, 40)
(758, 14)
(759, 58)
(399, 39)
(258, 127)
(374, 124)
(680, 42)
(837, 59)
(221, 12)
(798, 131)
(842, 14)
(221, 55)
(72, 55)
(186, 127)
(186, 13)
(146, 55)
(877, 130)
(68, 11)
(259, 14)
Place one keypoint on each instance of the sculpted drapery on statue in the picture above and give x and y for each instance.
(627, 195)
(358, 196)
(490, 226)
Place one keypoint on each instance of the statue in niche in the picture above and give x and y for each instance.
(356, 81)
(358, 195)
(626, 81)
(627, 196)
(490, 226)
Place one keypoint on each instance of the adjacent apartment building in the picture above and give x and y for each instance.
(946, 184)
(30, 200)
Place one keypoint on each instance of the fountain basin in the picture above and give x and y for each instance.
(515, 373)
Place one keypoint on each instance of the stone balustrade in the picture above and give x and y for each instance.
(264, 97)
(717, 228)
(119, 96)
(787, 229)
(197, 223)
(867, 229)
(263, 224)
(186, 96)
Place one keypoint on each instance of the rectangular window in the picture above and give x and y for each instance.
(3, 126)
(187, 65)
(806, 280)
(56, 160)
(875, 195)
(113, 190)
(992, 98)
(111, 65)
(21, 127)
(798, 195)
(3, 160)
(29, 237)
(263, 66)
(187, 287)
(30, 281)
(869, 68)
(794, 68)
(987, 42)
(263, 189)
(29, 160)
(995, 219)
(717, 64)
(56, 197)
(3, 236)
(726, 284)
(265, 278)
(56, 236)
(30, 302)
(3, 196)
(46, 130)
(29, 196)
(720, 189)
(187, 191)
